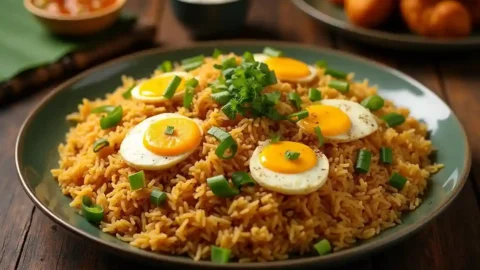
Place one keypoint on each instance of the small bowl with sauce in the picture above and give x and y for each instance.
(75, 17)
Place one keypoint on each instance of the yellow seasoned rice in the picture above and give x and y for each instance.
(258, 224)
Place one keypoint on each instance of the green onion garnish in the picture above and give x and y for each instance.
(226, 142)
(321, 64)
(188, 97)
(323, 247)
(291, 155)
(137, 180)
(229, 111)
(158, 197)
(240, 179)
(100, 144)
(227, 63)
(103, 109)
(393, 119)
(275, 137)
(169, 130)
(336, 73)
(340, 86)
(112, 119)
(272, 52)
(128, 93)
(397, 181)
(191, 83)
(271, 77)
(295, 117)
(294, 98)
(220, 187)
(319, 134)
(373, 103)
(172, 87)
(198, 58)
(274, 96)
(166, 66)
(92, 212)
(363, 161)
(386, 155)
(220, 255)
(216, 53)
(248, 57)
(192, 66)
(314, 94)
(222, 98)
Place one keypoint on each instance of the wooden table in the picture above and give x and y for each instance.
(29, 240)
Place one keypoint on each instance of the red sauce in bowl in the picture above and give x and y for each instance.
(72, 7)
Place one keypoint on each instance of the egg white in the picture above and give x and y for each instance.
(136, 155)
(260, 57)
(178, 94)
(363, 121)
(290, 184)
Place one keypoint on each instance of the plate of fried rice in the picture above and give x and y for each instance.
(242, 154)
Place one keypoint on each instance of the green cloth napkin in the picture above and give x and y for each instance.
(25, 44)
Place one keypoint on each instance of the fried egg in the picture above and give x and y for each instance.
(339, 120)
(274, 171)
(288, 69)
(148, 146)
(152, 90)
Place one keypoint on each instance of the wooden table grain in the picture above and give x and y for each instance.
(29, 240)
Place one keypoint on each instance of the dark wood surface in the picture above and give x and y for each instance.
(29, 240)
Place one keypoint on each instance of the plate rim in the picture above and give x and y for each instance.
(383, 35)
(333, 258)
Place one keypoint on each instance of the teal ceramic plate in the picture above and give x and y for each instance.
(45, 128)
(395, 35)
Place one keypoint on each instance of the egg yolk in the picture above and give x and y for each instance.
(186, 137)
(156, 87)
(273, 157)
(331, 120)
(288, 68)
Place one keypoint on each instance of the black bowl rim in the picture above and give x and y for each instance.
(333, 258)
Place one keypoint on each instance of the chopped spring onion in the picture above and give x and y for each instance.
(275, 137)
(128, 93)
(226, 143)
(274, 96)
(220, 187)
(220, 255)
(222, 98)
(191, 83)
(363, 161)
(319, 134)
(169, 130)
(103, 109)
(340, 86)
(295, 117)
(229, 111)
(166, 66)
(291, 155)
(216, 53)
(92, 212)
(227, 63)
(272, 52)
(397, 181)
(172, 87)
(112, 119)
(323, 247)
(158, 197)
(271, 77)
(188, 97)
(314, 94)
(336, 73)
(393, 119)
(321, 64)
(294, 98)
(100, 144)
(373, 103)
(240, 179)
(248, 57)
(137, 180)
(195, 59)
(386, 155)
(192, 66)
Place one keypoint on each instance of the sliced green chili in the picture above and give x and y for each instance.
(220, 187)
(363, 161)
(220, 255)
(397, 181)
(240, 179)
(295, 99)
(103, 109)
(314, 94)
(336, 73)
(291, 155)
(172, 87)
(373, 103)
(112, 119)
(319, 134)
(100, 144)
(295, 117)
(137, 180)
(92, 212)
(323, 247)
(393, 119)
(158, 197)
(226, 143)
(340, 86)
(128, 93)
(386, 155)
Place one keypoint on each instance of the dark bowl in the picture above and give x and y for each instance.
(207, 19)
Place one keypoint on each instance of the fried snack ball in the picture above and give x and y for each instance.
(474, 7)
(436, 18)
(369, 13)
